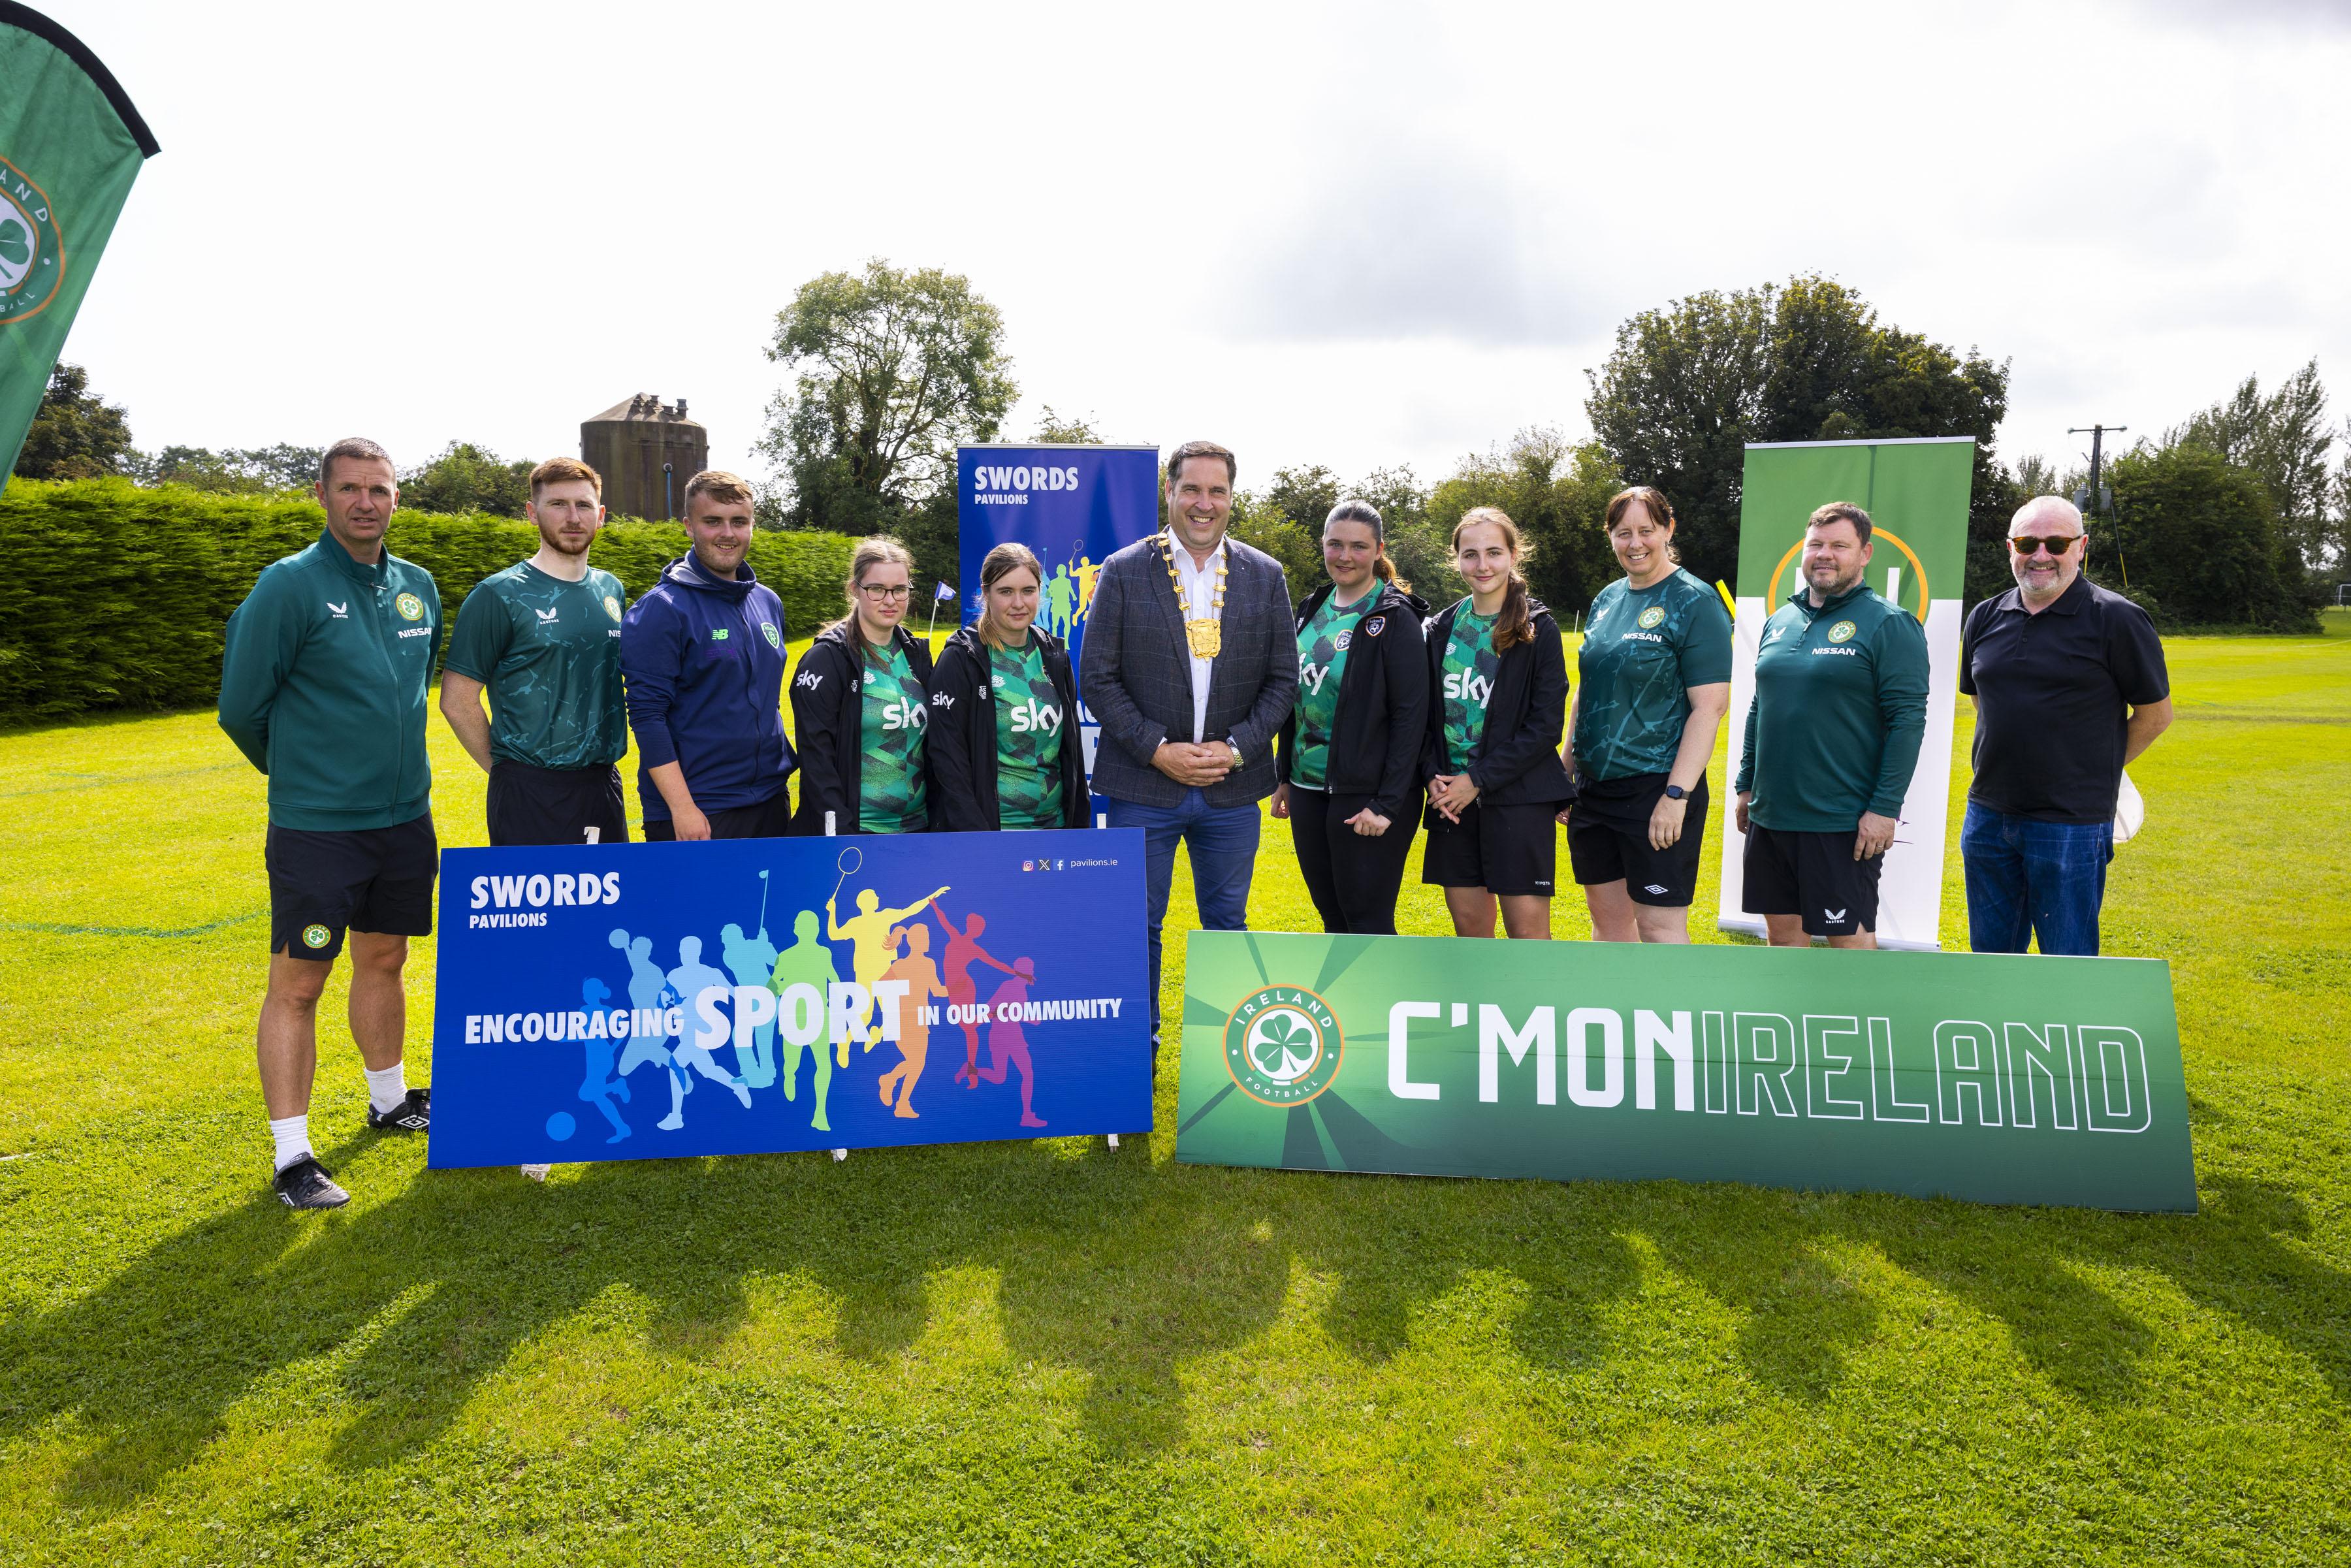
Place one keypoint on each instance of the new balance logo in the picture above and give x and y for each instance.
(809, 679)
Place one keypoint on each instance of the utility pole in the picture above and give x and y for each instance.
(2095, 499)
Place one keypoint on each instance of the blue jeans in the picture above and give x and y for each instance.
(1223, 852)
(2027, 878)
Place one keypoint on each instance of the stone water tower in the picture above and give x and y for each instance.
(630, 443)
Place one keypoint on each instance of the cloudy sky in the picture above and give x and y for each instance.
(1356, 235)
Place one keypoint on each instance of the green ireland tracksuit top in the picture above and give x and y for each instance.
(1839, 712)
(322, 687)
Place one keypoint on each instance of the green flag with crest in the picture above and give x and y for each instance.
(70, 144)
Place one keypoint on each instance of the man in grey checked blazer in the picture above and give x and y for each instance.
(1187, 748)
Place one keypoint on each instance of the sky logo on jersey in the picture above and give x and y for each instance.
(1310, 677)
(809, 680)
(411, 608)
(897, 715)
(1033, 716)
(1468, 686)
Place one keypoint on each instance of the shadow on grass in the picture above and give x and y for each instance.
(1106, 1264)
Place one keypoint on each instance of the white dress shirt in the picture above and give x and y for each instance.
(1200, 591)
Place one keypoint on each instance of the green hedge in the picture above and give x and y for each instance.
(113, 596)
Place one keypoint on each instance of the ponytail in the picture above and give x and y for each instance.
(1515, 625)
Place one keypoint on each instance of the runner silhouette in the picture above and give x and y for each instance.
(922, 978)
(689, 980)
(751, 960)
(1007, 1044)
(807, 962)
(648, 990)
(597, 1085)
(963, 946)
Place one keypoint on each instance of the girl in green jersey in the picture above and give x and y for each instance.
(1004, 749)
(860, 708)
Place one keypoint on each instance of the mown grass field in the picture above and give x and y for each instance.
(1054, 1353)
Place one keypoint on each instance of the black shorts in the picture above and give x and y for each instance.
(369, 879)
(770, 818)
(556, 805)
(1608, 839)
(1813, 875)
(1509, 851)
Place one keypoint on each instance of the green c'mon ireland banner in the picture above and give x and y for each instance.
(1996, 1079)
(70, 145)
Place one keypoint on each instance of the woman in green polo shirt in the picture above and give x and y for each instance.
(860, 705)
(1653, 683)
(1003, 705)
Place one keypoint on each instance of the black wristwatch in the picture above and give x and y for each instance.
(1676, 792)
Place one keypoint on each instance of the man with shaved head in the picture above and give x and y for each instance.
(2070, 686)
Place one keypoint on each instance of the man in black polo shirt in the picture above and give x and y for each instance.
(2070, 686)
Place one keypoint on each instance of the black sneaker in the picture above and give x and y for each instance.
(305, 1184)
(413, 1114)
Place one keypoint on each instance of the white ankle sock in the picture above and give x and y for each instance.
(388, 1088)
(292, 1136)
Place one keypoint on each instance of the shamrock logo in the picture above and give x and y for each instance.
(1284, 1046)
(16, 244)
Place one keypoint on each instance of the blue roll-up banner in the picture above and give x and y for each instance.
(1072, 505)
(750, 996)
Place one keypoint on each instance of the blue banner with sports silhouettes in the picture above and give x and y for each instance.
(635, 1001)
(1072, 505)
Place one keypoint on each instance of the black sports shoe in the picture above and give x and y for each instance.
(413, 1114)
(305, 1184)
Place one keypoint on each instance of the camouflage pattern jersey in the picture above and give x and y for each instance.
(1470, 663)
(891, 798)
(550, 653)
(1322, 659)
(1029, 730)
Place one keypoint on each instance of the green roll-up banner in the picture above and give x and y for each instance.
(70, 145)
(1915, 493)
(1990, 1078)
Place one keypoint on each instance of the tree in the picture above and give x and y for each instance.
(75, 434)
(896, 369)
(468, 478)
(1687, 388)
(2283, 438)
(2201, 536)
(1058, 430)
(233, 471)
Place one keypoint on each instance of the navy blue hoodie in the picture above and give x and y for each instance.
(704, 663)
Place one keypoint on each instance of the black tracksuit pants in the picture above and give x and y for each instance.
(1354, 879)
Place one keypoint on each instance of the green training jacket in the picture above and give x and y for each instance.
(1839, 712)
(322, 687)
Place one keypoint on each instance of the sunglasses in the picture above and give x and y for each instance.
(2033, 545)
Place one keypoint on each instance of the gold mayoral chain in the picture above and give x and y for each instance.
(1205, 634)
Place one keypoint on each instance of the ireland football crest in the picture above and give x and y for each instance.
(1283, 1045)
(32, 259)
